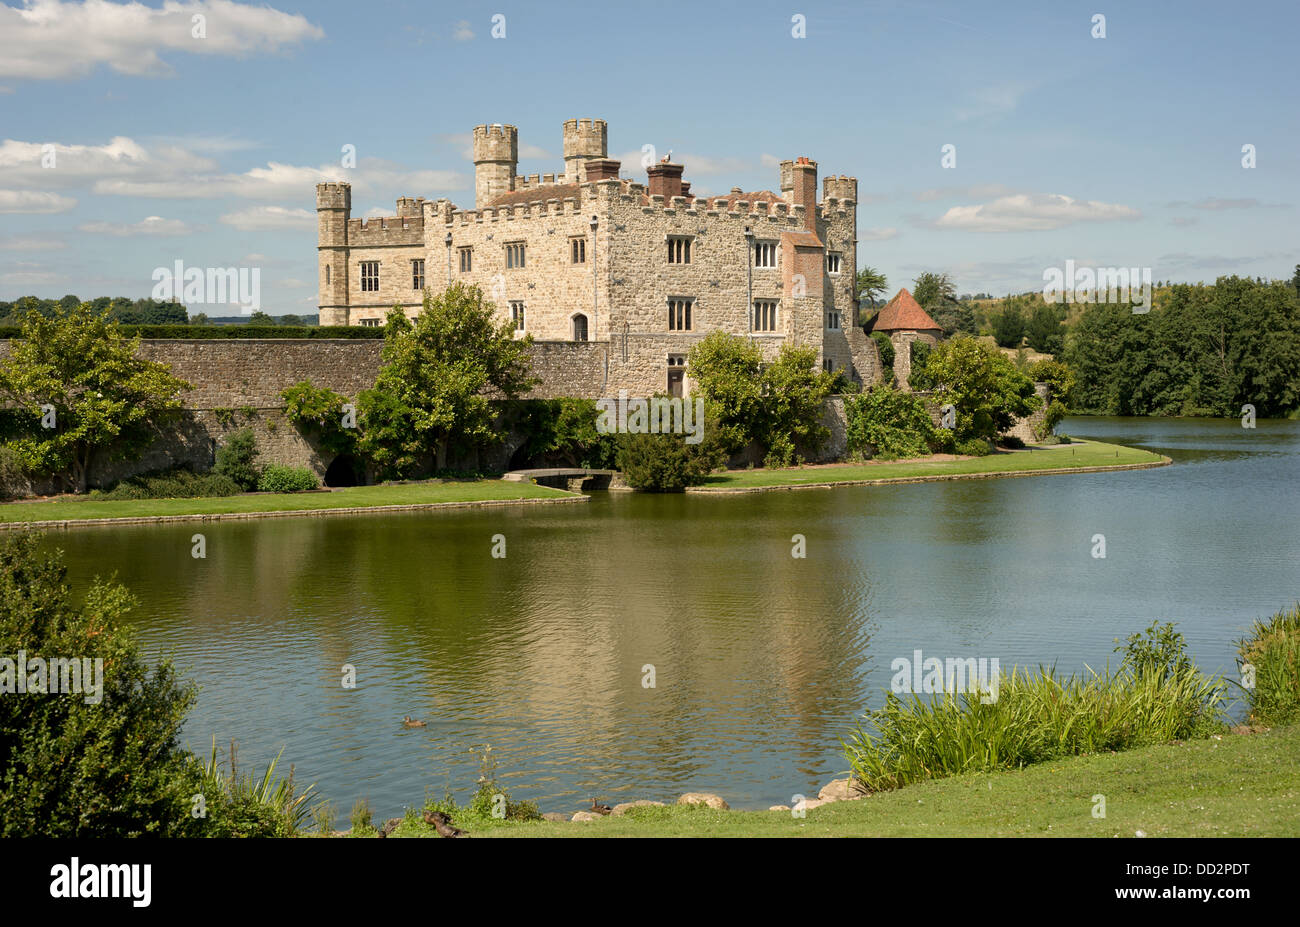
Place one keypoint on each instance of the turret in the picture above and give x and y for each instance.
(840, 188)
(496, 157)
(333, 209)
(584, 140)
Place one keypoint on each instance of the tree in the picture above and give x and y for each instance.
(728, 371)
(86, 393)
(871, 283)
(1043, 331)
(1009, 327)
(931, 289)
(793, 394)
(437, 379)
(260, 318)
(984, 387)
(200, 319)
(885, 422)
(102, 762)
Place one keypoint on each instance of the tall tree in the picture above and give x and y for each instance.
(871, 283)
(437, 379)
(86, 393)
(986, 390)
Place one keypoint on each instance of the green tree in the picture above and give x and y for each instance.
(885, 422)
(794, 392)
(437, 379)
(260, 318)
(931, 289)
(1044, 331)
(89, 764)
(984, 387)
(871, 284)
(106, 400)
(1009, 326)
(728, 371)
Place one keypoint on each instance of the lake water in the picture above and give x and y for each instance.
(762, 661)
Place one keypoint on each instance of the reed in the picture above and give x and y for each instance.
(1273, 653)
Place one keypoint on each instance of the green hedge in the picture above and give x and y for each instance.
(278, 478)
(236, 331)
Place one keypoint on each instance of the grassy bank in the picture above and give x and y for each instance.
(1230, 785)
(428, 493)
(1057, 457)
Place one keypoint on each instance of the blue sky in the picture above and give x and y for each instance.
(1116, 151)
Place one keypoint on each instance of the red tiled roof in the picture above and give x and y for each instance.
(802, 239)
(760, 196)
(537, 194)
(903, 312)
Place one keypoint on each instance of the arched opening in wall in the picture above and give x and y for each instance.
(579, 327)
(344, 471)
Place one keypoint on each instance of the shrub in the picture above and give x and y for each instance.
(1156, 696)
(663, 462)
(319, 410)
(12, 474)
(886, 348)
(1273, 650)
(919, 378)
(491, 800)
(176, 483)
(279, 478)
(562, 432)
(72, 769)
(887, 422)
(361, 818)
(235, 459)
(975, 447)
(247, 805)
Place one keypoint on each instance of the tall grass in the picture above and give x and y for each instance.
(240, 804)
(1273, 650)
(1157, 695)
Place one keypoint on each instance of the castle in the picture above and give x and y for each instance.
(628, 275)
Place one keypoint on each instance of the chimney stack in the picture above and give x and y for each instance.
(665, 179)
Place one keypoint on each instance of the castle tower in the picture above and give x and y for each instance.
(840, 188)
(496, 157)
(584, 140)
(803, 189)
(333, 209)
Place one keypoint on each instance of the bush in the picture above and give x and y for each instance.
(491, 800)
(886, 348)
(12, 475)
(1273, 650)
(72, 769)
(279, 478)
(1012, 442)
(176, 483)
(663, 462)
(975, 447)
(235, 459)
(887, 422)
(241, 804)
(919, 378)
(1156, 696)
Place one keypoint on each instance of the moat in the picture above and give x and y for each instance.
(762, 661)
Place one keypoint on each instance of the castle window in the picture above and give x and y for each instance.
(765, 254)
(764, 315)
(679, 250)
(370, 323)
(580, 327)
(832, 262)
(578, 248)
(417, 274)
(828, 365)
(679, 314)
(327, 275)
(514, 255)
(369, 276)
(466, 260)
(833, 321)
(517, 314)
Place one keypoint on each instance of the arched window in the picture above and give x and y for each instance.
(579, 327)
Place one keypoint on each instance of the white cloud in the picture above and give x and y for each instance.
(877, 234)
(31, 202)
(1032, 212)
(28, 272)
(463, 32)
(150, 226)
(61, 38)
(258, 218)
(17, 243)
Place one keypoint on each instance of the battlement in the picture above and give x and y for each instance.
(585, 138)
(334, 195)
(386, 230)
(496, 143)
(840, 187)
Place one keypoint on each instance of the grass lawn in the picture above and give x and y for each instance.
(1240, 785)
(1060, 456)
(350, 497)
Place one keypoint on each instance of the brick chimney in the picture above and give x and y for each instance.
(804, 184)
(602, 169)
(666, 180)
